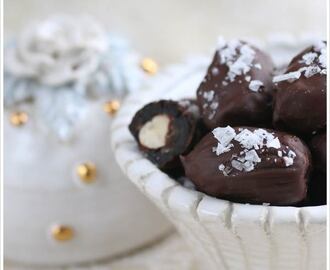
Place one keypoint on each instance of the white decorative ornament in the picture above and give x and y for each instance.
(64, 61)
(57, 51)
(66, 200)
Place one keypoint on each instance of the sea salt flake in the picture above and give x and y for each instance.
(241, 159)
(208, 96)
(248, 78)
(220, 149)
(224, 136)
(237, 57)
(248, 166)
(264, 135)
(214, 105)
(223, 169)
(288, 161)
(252, 155)
(258, 65)
(248, 139)
(311, 71)
(255, 85)
(279, 153)
(291, 76)
(237, 165)
(308, 58)
(291, 154)
(275, 143)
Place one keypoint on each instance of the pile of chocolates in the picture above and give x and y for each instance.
(250, 136)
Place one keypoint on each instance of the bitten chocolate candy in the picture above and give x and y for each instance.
(166, 129)
(300, 102)
(237, 89)
(250, 165)
(317, 188)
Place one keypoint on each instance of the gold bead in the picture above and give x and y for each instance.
(111, 107)
(86, 172)
(62, 232)
(149, 66)
(18, 118)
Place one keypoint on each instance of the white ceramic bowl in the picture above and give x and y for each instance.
(223, 235)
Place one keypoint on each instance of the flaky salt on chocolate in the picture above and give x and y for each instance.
(250, 165)
(300, 101)
(237, 89)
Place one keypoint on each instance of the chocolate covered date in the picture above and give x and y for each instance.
(237, 89)
(165, 129)
(300, 101)
(250, 165)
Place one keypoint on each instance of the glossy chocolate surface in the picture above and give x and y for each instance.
(318, 147)
(230, 93)
(317, 189)
(274, 178)
(300, 104)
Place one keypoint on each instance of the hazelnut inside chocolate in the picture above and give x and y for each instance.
(164, 130)
(154, 132)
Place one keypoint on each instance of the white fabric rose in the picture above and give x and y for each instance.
(62, 63)
(59, 50)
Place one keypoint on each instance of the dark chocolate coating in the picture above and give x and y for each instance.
(318, 147)
(300, 106)
(317, 188)
(184, 117)
(271, 181)
(238, 105)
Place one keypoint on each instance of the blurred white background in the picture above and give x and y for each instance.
(168, 30)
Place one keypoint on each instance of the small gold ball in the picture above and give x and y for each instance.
(62, 232)
(18, 118)
(111, 107)
(149, 66)
(86, 172)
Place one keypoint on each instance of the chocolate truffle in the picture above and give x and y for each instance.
(166, 129)
(237, 89)
(250, 165)
(300, 101)
(317, 189)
